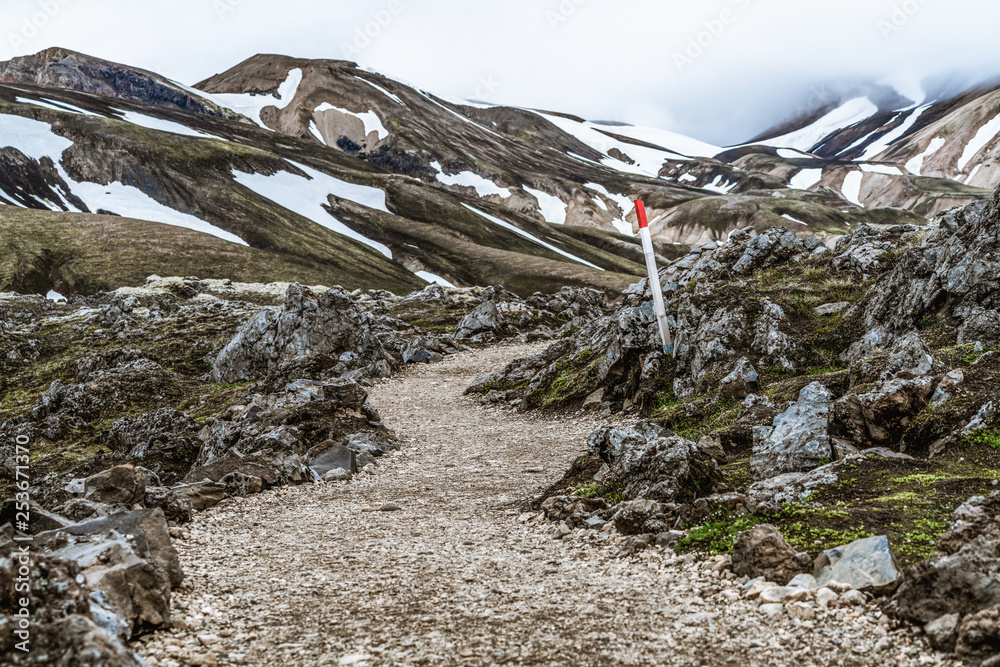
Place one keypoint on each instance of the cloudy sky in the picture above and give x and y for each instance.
(719, 70)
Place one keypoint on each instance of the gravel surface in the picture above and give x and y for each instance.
(425, 558)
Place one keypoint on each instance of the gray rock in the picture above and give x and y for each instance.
(831, 308)
(770, 495)
(337, 475)
(741, 382)
(123, 485)
(202, 495)
(868, 564)
(943, 631)
(763, 552)
(798, 441)
(486, 317)
(806, 581)
(329, 455)
(306, 325)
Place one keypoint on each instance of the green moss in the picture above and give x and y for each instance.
(717, 536)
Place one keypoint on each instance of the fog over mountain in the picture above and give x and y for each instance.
(721, 71)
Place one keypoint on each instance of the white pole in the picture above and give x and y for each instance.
(654, 277)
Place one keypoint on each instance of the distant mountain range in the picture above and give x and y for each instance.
(320, 172)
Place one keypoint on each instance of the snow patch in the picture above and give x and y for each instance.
(306, 196)
(382, 90)
(790, 154)
(848, 114)
(533, 239)
(788, 217)
(484, 187)
(986, 134)
(55, 106)
(852, 187)
(152, 123)
(806, 179)
(916, 164)
(433, 278)
(624, 203)
(883, 143)
(552, 208)
(53, 295)
(251, 105)
(370, 119)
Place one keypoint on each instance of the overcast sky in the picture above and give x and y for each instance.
(719, 70)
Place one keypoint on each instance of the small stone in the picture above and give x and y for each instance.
(825, 596)
(561, 531)
(942, 632)
(337, 475)
(854, 598)
(772, 609)
(783, 594)
(389, 507)
(806, 581)
(831, 308)
(208, 640)
(801, 611)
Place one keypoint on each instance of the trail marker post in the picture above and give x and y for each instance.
(654, 278)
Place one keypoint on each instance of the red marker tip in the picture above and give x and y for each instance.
(640, 211)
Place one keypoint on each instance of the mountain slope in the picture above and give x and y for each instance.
(326, 170)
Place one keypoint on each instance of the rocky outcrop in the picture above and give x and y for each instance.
(798, 441)
(661, 467)
(330, 325)
(964, 576)
(951, 277)
(93, 586)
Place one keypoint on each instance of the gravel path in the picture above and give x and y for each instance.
(423, 559)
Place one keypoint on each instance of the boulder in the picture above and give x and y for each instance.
(329, 325)
(330, 455)
(798, 441)
(868, 564)
(123, 485)
(202, 495)
(770, 495)
(176, 507)
(486, 317)
(669, 469)
(763, 552)
(146, 530)
(608, 442)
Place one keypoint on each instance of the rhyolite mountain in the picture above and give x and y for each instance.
(321, 172)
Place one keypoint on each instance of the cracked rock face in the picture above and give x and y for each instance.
(306, 325)
(798, 441)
